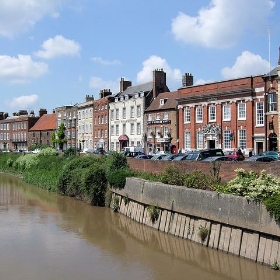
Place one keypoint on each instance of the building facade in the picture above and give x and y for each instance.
(227, 114)
(100, 118)
(126, 111)
(68, 116)
(84, 125)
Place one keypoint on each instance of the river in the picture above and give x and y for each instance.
(47, 236)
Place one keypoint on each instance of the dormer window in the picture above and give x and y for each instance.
(162, 101)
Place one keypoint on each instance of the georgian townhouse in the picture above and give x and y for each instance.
(272, 101)
(161, 119)
(227, 114)
(126, 111)
(68, 116)
(85, 121)
(100, 118)
(14, 129)
(41, 132)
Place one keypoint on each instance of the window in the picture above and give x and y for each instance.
(226, 113)
(199, 114)
(132, 112)
(226, 139)
(124, 128)
(117, 130)
(161, 101)
(132, 128)
(117, 114)
(165, 131)
(212, 113)
(112, 130)
(157, 116)
(149, 117)
(112, 115)
(199, 140)
(187, 115)
(138, 129)
(242, 138)
(272, 102)
(124, 113)
(259, 113)
(242, 111)
(138, 111)
(165, 116)
(187, 140)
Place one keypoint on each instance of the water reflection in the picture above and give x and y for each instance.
(52, 237)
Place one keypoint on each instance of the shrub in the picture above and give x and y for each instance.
(197, 179)
(70, 152)
(117, 178)
(116, 161)
(172, 175)
(272, 205)
(153, 212)
(203, 233)
(116, 203)
(48, 152)
(26, 162)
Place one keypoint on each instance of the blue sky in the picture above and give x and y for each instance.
(55, 52)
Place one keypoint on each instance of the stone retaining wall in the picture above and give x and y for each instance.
(235, 225)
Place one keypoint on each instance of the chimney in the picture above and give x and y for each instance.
(124, 85)
(159, 82)
(89, 98)
(279, 57)
(104, 93)
(187, 80)
(42, 112)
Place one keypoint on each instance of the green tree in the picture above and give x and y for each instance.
(59, 136)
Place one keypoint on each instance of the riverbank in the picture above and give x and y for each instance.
(223, 222)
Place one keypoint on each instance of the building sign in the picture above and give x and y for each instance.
(159, 122)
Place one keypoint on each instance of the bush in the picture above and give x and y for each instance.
(117, 178)
(48, 152)
(153, 212)
(70, 152)
(172, 175)
(272, 205)
(116, 161)
(198, 180)
(25, 162)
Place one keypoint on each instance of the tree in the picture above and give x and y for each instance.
(59, 136)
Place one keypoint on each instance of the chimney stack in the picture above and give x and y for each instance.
(279, 57)
(124, 85)
(187, 80)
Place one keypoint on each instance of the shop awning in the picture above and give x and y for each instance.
(123, 138)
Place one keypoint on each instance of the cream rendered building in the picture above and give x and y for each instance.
(84, 126)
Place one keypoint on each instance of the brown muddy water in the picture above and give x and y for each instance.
(46, 236)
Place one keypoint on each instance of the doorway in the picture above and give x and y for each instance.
(211, 144)
(259, 147)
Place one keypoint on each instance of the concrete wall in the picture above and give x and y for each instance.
(235, 225)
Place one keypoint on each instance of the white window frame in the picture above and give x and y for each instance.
(199, 114)
(242, 139)
(226, 139)
(226, 112)
(187, 140)
(212, 113)
(187, 115)
(259, 113)
(242, 111)
(199, 140)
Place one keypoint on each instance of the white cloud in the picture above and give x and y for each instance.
(222, 23)
(105, 62)
(99, 83)
(23, 102)
(18, 16)
(173, 76)
(246, 64)
(58, 46)
(20, 69)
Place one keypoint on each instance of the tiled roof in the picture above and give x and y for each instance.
(170, 102)
(132, 90)
(273, 72)
(46, 122)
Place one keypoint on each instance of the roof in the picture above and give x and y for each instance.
(273, 72)
(46, 122)
(170, 103)
(132, 90)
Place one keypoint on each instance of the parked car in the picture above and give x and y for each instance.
(158, 156)
(181, 157)
(202, 154)
(272, 154)
(220, 158)
(144, 156)
(234, 155)
(260, 158)
(171, 156)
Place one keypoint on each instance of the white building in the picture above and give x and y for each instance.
(126, 112)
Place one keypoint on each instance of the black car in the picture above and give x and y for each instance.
(219, 158)
(202, 154)
(260, 158)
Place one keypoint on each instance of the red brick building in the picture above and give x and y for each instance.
(227, 114)
(41, 132)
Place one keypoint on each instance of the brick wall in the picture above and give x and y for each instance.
(226, 170)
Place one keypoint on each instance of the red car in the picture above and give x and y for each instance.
(234, 155)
